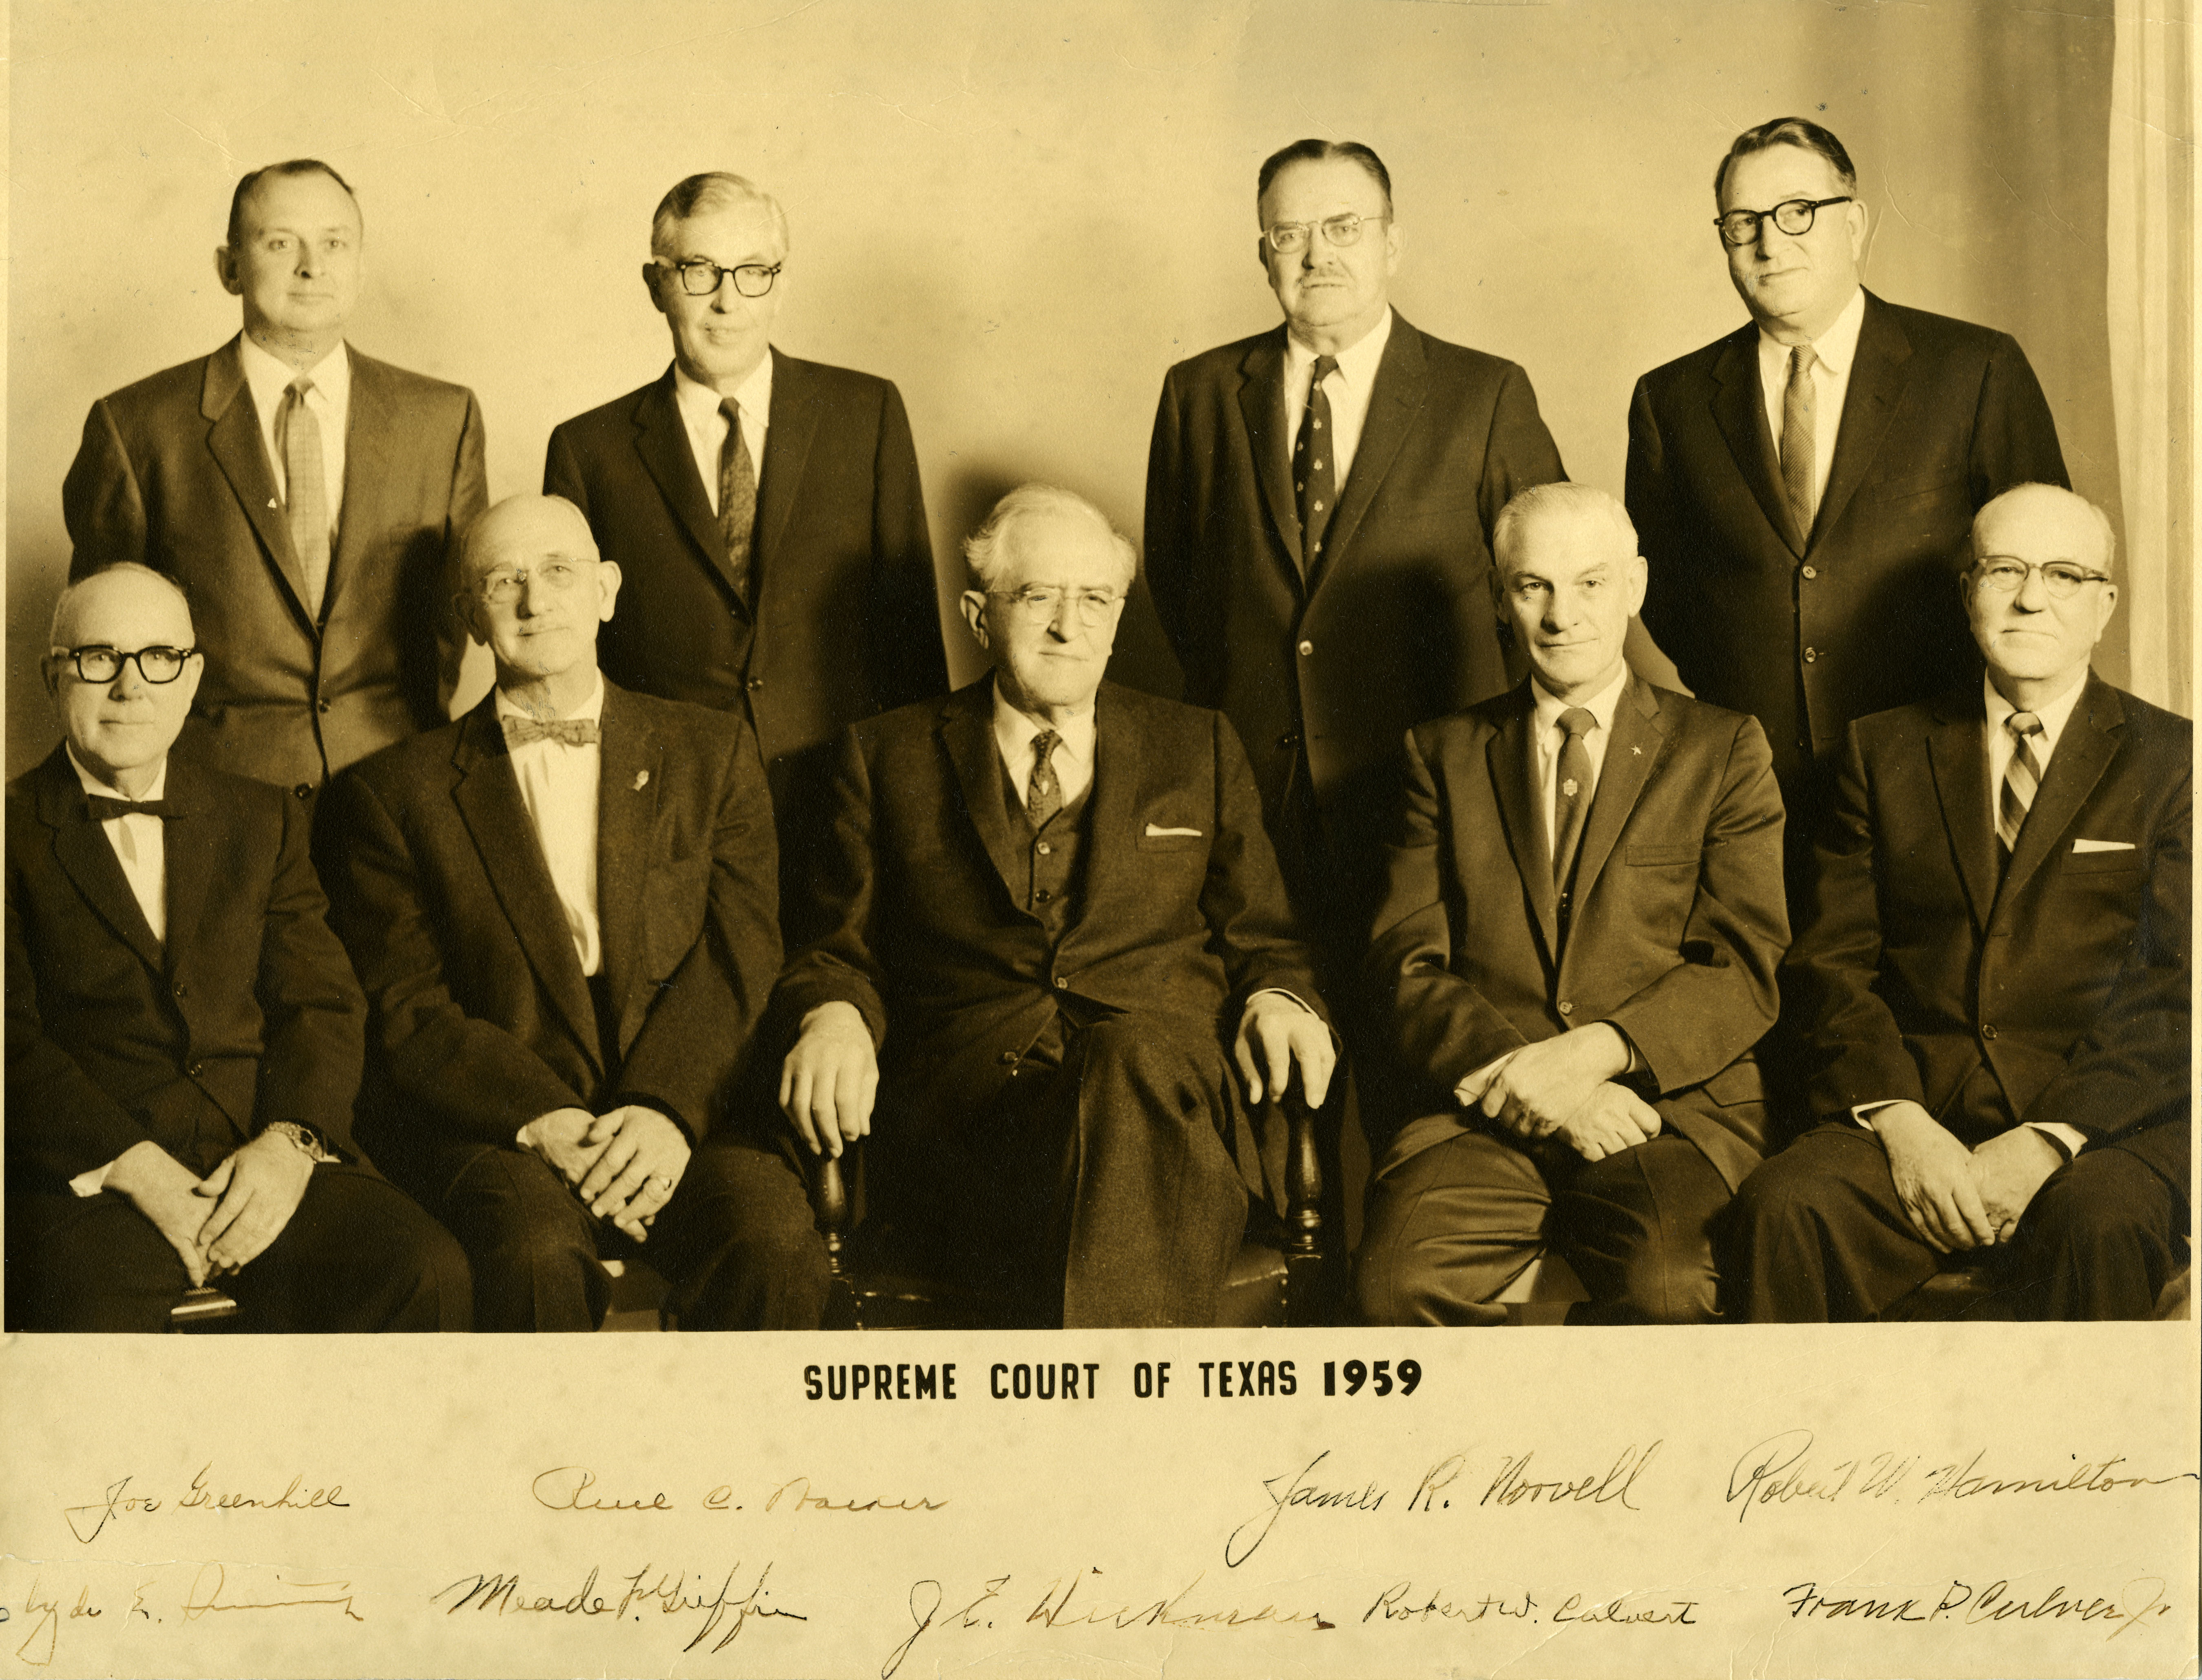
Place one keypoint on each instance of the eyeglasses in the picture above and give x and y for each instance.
(700, 278)
(104, 665)
(1036, 603)
(557, 576)
(1794, 217)
(2007, 576)
(1289, 238)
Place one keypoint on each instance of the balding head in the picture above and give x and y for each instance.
(2038, 593)
(121, 725)
(532, 589)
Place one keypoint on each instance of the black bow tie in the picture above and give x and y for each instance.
(104, 810)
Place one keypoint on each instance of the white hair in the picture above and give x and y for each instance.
(986, 551)
(1553, 501)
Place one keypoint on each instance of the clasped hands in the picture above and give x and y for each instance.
(830, 1078)
(1564, 1086)
(623, 1165)
(1960, 1199)
(220, 1223)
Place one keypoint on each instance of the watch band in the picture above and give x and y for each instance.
(308, 1140)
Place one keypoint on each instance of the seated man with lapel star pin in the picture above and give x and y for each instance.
(1051, 923)
(1574, 957)
(1994, 972)
(563, 907)
(184, 1033)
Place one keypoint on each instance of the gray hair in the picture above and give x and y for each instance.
(2102, 520)
(69, 594)
(1547, 501)
(713, 190)
(987, 550)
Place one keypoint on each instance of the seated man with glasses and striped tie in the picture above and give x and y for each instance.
(1575, 955)
(1994, 970)
(184, 1033)
(563, 908)
(1053, 924)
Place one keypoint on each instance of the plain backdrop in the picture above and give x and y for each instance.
(1022, 213)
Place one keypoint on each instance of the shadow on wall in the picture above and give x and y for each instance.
(35, 578)
(1143, 658)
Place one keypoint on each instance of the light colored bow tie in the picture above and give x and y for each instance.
(526, 731)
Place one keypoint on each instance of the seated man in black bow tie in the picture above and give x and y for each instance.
(1052, 923)
(1994, 969)
(563, 909)
(182, 1030)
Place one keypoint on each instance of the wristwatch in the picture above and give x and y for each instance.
(308, 1139)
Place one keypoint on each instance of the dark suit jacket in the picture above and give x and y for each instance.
(247, 1014)
(846, 618)
(1397, 625)
(1806, 631)
(1914, 967)
(171, 472)
(479, 1017)
(1678, 918)
(955, 978)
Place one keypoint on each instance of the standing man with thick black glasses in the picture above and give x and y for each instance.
(1803, 487)
(1320, 502)
(764, 511)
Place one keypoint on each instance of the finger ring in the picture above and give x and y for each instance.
(663, 1182)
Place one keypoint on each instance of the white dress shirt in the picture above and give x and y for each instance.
(707, 427)
(1073, 757)
(2054, 716)
(142, 849)
(1836, 350)
(1348, 386)
(558, 786)
(329, 402)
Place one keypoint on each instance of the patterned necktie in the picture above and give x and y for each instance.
(1797, 445)
(1571, 797)
(104, 810)
(305, 476)
(1043, 795)
(2021, 779)
(573, 731)
(737, 500)
(1315, 465)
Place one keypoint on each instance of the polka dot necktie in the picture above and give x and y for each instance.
(1314, 465)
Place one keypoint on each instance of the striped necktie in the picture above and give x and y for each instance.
(306, 486)
(2021, 779)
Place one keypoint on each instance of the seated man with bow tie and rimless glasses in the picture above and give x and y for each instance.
(563, 907)
(184, 1033)
(1993, 971)
(1052, 922)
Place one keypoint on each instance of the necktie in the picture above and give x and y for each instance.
(104, 810)
(1044, 797)
(737, 500)
(1315, 465)
(1571, 798)
(305, 476)
(573, 731)
(2021, 778)
(1797, 446)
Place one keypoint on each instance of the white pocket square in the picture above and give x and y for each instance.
(1155, 833)
(2102, 846)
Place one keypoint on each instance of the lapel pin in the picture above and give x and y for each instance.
(1636, 752)
(641, 780)
(271, 505)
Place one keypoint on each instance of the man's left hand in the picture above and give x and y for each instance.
(1542, 1084)
(257, 1189)
(644, 1155)
(2007, 1169)
(1275, 1033)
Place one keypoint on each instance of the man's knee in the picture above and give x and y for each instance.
(2103, 1199)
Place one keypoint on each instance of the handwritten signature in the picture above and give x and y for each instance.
(668, 1590)
(210, 1593)
(1779, 1470)
(199, 1496)
(1996, 1603)
(574, 1488)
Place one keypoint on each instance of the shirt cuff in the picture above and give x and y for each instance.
(1469, 1091)
(1279, 991)
(2071, 1139)
(92, 1182)
(1863, 1112)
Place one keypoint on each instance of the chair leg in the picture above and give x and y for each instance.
(1304, 1258)
(829, 1202)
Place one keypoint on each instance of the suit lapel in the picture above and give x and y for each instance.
(1639, 739)
(1262, 406)
(1957, 750)
(81, 848)
(2084, 752)
(487, 795)
(235, 445)
(1111, 860)
(1877, 380)
(189, 845)
(662, 441)
(1740, 411)
(1401, 387)
(966, 734)
(794, 423)
(1507, 755)
(630, 763)
(371, 422)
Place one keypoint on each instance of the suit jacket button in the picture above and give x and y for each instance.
(755, 683)
(1988, 1032)
(1306, 648)
(1042, 847)
(1566, 1008)
(182, 991)
(1043, 895)
(1009, 1059)
(194, 1069)
(1061, 984)
(1289, 739)
(1811, 654)
(304, 790)
(320, 705)
(1811, 571)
